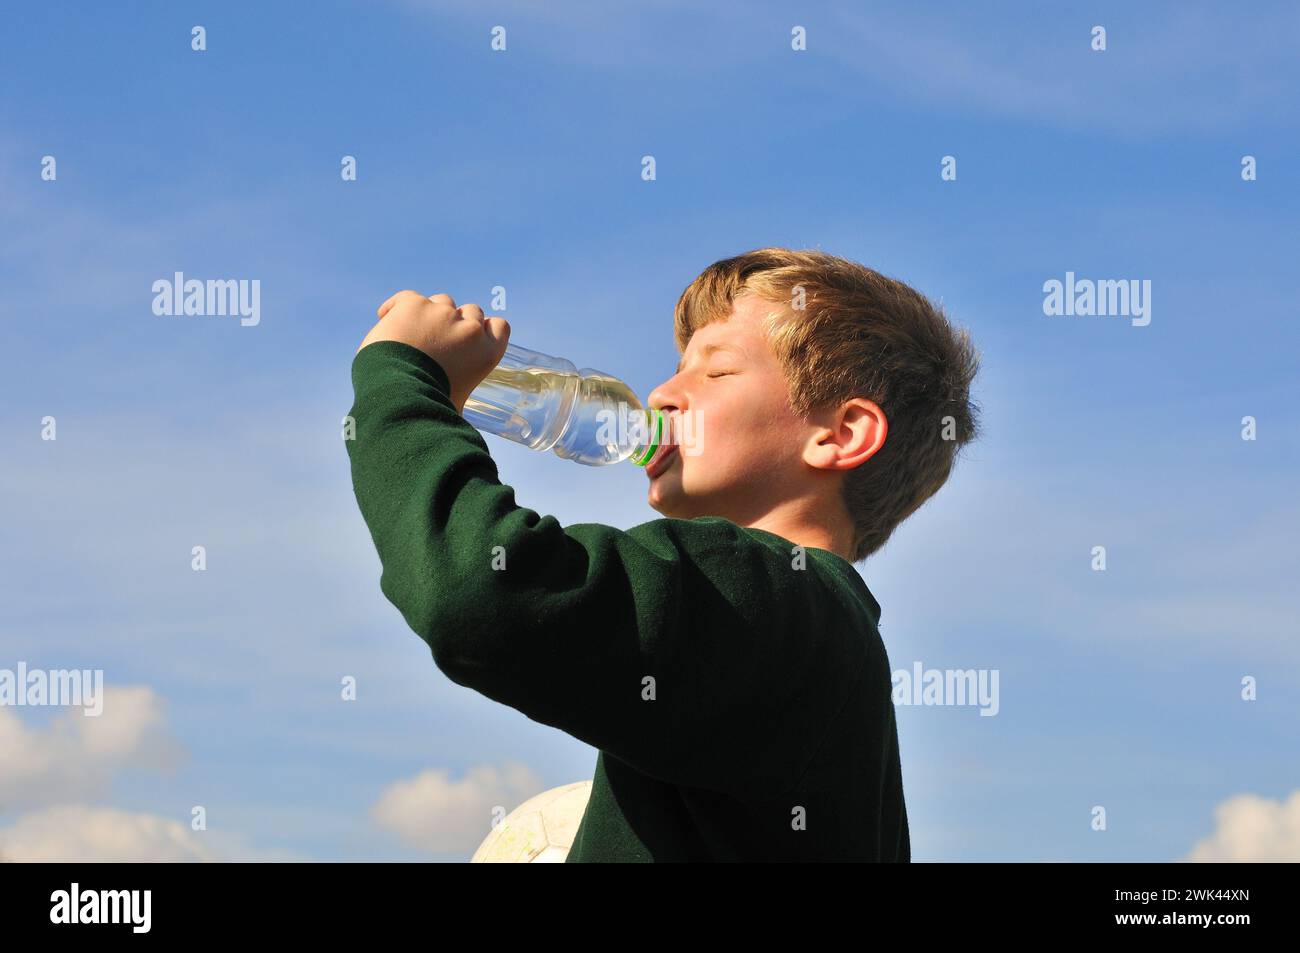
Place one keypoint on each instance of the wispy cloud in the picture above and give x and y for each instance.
(1166, 67)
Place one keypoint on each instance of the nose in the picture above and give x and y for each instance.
(665, 397)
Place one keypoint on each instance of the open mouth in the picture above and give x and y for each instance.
(662, 459)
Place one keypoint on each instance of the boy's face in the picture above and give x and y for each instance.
(747, 453)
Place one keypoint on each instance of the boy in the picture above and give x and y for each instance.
(724, 659)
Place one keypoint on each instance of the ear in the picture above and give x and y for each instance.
(851, 434)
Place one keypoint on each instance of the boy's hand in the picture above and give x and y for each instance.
(465, 343)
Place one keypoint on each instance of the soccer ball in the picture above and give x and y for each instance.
(539, 831)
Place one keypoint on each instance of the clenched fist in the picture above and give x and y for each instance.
(465, 343)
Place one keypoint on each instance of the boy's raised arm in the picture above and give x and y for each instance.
(694, 650)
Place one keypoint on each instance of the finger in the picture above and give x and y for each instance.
(499, 330)
(388, 305)
(442, 299)
(471, 311)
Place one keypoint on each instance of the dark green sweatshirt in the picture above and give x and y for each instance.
(735, 685)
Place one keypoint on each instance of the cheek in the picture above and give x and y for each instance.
(739, 433)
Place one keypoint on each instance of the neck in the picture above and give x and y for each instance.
(835, 536)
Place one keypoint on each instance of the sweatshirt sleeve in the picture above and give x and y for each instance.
(694, 650)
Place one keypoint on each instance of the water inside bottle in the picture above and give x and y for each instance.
(581, 414)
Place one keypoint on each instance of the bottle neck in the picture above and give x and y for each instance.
(657, 433)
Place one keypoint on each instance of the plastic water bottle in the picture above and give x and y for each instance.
(584, 415)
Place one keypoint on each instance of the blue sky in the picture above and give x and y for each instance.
(475, 169)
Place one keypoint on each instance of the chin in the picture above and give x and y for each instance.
(676, 507)
(662, 507)
(668, 504)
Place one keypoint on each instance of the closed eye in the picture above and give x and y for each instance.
(721, 374)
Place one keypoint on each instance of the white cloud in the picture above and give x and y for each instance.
(435, 814)
(77, 755)
(81, 834)
(55, 769)
(1252, 829)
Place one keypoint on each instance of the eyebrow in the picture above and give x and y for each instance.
(709, 349)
